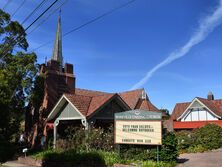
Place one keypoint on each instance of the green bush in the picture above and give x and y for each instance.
(102, 139)
(160, 164)
(72, 158)
(169, 151)
(209, 136)
(138, 152)
(196, 149)
(99, 158)
(185, 140)
(199, 140)
(94, 139)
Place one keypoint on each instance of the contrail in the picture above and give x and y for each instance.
(206, 26)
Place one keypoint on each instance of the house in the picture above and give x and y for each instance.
(65, 104)
(197, 113)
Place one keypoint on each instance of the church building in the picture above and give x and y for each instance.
(63, 103)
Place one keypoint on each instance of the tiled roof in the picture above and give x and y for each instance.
(145, 104)
(214, 105)
(97, 102)
(81, 102)
(88, 101)
(178, 110)
(132, 97)
(87, 92)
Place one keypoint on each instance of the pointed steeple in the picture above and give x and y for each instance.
(57, 50)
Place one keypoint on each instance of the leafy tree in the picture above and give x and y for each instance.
(17, 72)
(165, 114)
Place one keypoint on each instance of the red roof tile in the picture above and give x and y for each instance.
(80, 102)
(88, 101)
(87, 92)
(213, 105)
(132, 97)
(145, 104)
(178, 110)
(97, 102)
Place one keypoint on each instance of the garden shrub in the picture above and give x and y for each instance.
(160, 164)
(169, 151)
(98, 158)
(72, 158)
(103, 139)
(209, 136)
(185, 140)
(205, 138)
(138, 152)
(94, 139)
(196, 149)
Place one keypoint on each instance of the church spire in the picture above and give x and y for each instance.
(57, 50)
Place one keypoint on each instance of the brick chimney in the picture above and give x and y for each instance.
(210, 96)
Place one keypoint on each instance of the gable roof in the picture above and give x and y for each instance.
(178, 110)
(144, 104)
(87, 92)
(88, 101)
(97, 102)
(214, 105)
(132, 97)
(81, 102)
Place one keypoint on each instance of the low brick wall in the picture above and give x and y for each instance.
(30, 161)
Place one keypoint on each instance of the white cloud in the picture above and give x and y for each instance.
(206, 26)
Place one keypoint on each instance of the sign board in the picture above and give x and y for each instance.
(138, 127)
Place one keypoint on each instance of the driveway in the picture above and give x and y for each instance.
(206, 159)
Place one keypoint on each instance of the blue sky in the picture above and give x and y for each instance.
(115, 52)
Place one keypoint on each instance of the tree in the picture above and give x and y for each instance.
(17, 73)
(165, 114)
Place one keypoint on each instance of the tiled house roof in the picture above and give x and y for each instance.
(214, 105)
(97, 102)
(178, 110)
(88, 101)
(132, 97)
(144, 104)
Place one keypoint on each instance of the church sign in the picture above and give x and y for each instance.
(138, 127)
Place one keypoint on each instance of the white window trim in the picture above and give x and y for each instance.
(189, 107)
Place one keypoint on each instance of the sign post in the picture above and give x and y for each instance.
(157, 154)
(138, 127)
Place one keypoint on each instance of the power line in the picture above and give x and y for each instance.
(59, 7)
(91, 21)
(23, 2)
(7, 3)
(40, 15)
(14, 41)
(37, 7)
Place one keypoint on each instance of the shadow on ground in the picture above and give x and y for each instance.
(182, 160)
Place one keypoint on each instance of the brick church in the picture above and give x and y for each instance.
(62, 102)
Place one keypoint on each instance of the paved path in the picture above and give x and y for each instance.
(207, 159)
(14, 164)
